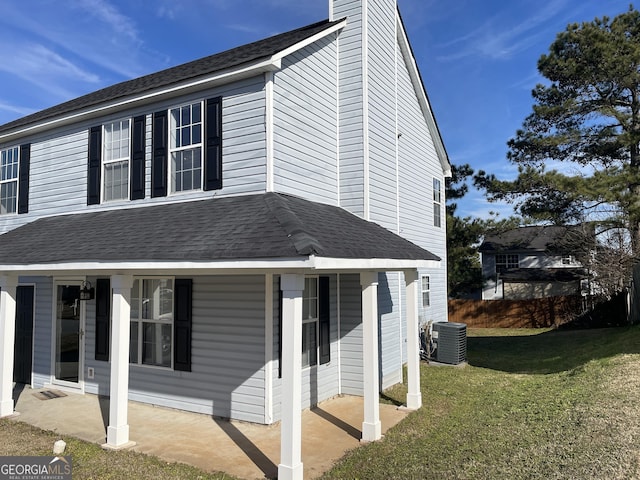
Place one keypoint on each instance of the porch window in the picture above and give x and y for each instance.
(505, 262)
(437, 203)
(310, 322)
(115, 160)
(9, 180)
(185, 147)
(426, 291)
(152, 322)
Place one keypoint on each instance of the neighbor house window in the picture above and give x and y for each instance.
(9, 180)
(310, 322)
(185, 147)
(505, 262)
(152, 322)
(426, 291)
(567, 260)
(115, 160)
(437, 203)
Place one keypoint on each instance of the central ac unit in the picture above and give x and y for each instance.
(451, 342)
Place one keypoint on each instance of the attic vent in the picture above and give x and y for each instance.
(451, 341)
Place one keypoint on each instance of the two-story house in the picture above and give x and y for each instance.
(243, 236)
(534, 262)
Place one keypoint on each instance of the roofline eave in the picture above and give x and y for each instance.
(247, 70)
(219, 267)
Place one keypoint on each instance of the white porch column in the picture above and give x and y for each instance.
(414, 397)
(290, 467)
(8, 285)
(118, 429)
(371, 427)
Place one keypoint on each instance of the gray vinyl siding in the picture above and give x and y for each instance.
(350, 101)
(351, 366)
(227, 377)
(305, 122)
(390, 329)
(382, 110)
(276, 388)
(58, 165)
(319, 382)
(418, 166)
(41, 366)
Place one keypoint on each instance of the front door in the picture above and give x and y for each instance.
(24, 335)
(68, 335)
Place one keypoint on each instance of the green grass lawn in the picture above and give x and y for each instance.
(531, 404)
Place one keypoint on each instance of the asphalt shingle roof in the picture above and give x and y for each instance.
(267, 225)
(228, 59)
(534, 238)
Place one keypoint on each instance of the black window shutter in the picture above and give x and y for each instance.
(324, 319)
(182, 324)
(213, 149)
(138, 145)
(95, 155)
(159, 163)
(103, 318)
(23, 178)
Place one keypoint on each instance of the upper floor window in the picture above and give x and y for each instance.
(185, 147)
(437, 203)
(567, 260)
(426, 291)
(9, 162)
(505, 262)
(115, 160)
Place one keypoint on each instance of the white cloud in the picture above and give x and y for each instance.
(106, 13)
(21, 111)
(92, 30)
(43, 67)
(497, 39)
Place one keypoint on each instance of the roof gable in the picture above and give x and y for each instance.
(421, 95)
(223, 61)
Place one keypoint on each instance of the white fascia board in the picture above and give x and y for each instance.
(371, 264)
(218, 78)
(308, 41)
(423, 99)
(226, 267)
(271, 64)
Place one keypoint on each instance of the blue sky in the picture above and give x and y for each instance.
(477, 57)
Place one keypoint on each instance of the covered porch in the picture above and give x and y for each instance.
(241, 449)
(264, 235)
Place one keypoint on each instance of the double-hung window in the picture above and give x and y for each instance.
(504, 262)
(152, 322)
(185, 147)
(9, 161)
(310, 322)
(115, 160)
(426, 290)
(437, 203)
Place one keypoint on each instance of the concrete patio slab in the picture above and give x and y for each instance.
(241, 449)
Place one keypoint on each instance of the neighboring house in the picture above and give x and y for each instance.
(244, 235)
(533, 262)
